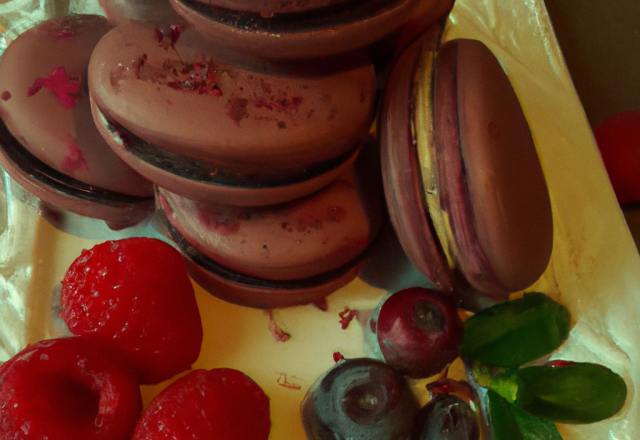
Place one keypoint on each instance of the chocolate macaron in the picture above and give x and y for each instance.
(298, 30)
(216, 132)
(49, 143)
(464, 184)
(287, 254)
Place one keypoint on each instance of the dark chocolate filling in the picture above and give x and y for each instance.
(210, 172)
(318, 19)
(217, 269)
(37, 170)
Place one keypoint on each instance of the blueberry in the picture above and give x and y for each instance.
(416, 331)
(446, 417)
(359, 399)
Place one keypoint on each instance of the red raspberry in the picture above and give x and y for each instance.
(68, 389)
(220, 404)
(136, 293)
(618, 138)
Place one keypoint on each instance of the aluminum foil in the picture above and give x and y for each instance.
(594, 270)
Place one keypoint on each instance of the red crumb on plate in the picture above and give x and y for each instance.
(346, 316)
(278, 334)
(283, 381)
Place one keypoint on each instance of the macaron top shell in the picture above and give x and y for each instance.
(168, 91)
(499, 209)
(294, 240)
(45, 104)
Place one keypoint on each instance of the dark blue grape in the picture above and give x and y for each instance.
(446, 417)
(359, 399)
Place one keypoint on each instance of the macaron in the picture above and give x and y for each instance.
(49, 143)
(464, 184)
(299, 30)
(287, 254)
(217, 132)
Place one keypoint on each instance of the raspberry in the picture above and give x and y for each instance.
(220, 404)
(618, 138)
(136, 294)
(68, 389)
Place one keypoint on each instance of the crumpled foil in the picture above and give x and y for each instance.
(594, 269)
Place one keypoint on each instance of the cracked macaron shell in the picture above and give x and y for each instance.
(55, 123)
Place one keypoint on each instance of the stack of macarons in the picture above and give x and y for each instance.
(252, 121)
(256, 142)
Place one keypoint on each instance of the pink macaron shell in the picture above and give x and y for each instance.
(54, 124)
(299, 239)
(243, 119)
(322, 37)
(270, 7)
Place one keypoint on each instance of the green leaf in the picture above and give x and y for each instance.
(534, 428)
(484, 374)
(501, 419)
(506, 385)
(576, 393)
(510, 423)
(516, 332)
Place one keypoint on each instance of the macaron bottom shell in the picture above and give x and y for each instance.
(260, 293)
(57, 191)
(308, 34)
(286, 254)
(197, 179)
